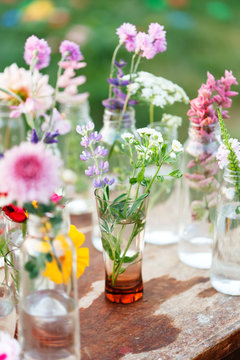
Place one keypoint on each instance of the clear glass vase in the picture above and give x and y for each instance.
(12, 130)
(13, 233)
(198, 196)
(48, 305)
(122, 226)
(7, 310)
(161, 228)
(76, 183)
(225, 270)
(114, 126)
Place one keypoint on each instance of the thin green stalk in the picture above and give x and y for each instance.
(151, 113)
(129, 86)
(9, 92)
(137, 63)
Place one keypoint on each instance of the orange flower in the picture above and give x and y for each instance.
(63, 252)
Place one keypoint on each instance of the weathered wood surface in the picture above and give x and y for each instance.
(180, 317)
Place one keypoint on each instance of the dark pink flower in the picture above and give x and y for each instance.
(70, 51)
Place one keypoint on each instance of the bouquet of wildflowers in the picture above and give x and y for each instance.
(30, 175)
(202, 168)
(128, 207)
(29, 94)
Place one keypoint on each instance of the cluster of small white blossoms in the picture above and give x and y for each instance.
(151, 142)
(156, 90)
(223, 153)
(172, 121)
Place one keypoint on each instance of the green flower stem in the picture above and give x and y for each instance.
(151, 113)
(112, 67)
(138, 62)
(129, 86)
(11, 93)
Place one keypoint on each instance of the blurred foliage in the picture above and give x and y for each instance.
(202, 36)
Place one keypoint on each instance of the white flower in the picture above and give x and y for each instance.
(177, 146)
(127, 136)
(222, 156)
(21, 82)
(147, 93)
(134, 88)
(159, 101)
(172, 120)
(9, 348)
(173, 155)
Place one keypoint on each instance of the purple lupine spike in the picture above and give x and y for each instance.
(108, 181)
(97, 183)
(118, 82)
(90, 126)
(80, 130)
(120, 64)
(1, 155)
(85, 141)
(90, 171)
(100, 151)
(34, 137)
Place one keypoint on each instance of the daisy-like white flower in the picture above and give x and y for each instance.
(9, 347)
(19, 81)
(28, 173)
(177, 146)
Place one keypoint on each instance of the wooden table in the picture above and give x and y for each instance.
(180, 317)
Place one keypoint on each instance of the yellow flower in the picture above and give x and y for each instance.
(60, 271)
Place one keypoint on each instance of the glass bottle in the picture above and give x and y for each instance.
(114, 126)
(162, 229)
(198, 196)
(225, 270)
(12, 130)
(48, 306)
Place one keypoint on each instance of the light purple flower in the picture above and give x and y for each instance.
(104, 166)
(80, 130)
(85, 141)
(90, 171)
(100, 151)
(90, 126)
(70, 51)
(97, 183)
(145, 45)
(38, 49)
(95, 136)
(85, 155)
(127, 34)
(108, 181)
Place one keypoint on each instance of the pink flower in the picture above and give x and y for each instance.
(61, 125)
(24, 108)
(70, 51)
(158, 36)
(29, 172)
(145, 45)
(37, 49)
(127, 34)
(9, 347)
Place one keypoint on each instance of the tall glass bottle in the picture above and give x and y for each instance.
(198, 196)
(12, 130)
(225, 270)
(162, 225)
(114, 126)
(48, 307)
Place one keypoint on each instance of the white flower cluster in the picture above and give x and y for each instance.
(172, 121)
(156, 90)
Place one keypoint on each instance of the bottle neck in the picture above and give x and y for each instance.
(117, 120)
(205, 133)
(78, 113)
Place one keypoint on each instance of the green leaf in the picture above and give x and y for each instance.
(160, 178)
(129, 259)
(135, 205)
(107, 247)
(140, 176)
(120, 197)
(133, 181)
(163, 150)
(237, 210)
(176, 174)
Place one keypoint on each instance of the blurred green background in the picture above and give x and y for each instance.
(202, 35)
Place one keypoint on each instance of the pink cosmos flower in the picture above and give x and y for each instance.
(70, 51)
(29, 172)
(38, 49)
(9, 347)
(127, 34)
(24, 108)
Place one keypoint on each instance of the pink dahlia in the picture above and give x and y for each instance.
(9, 347)
(29, 172)
(38, 49)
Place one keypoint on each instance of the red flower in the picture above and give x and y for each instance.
(15, 213)
(55, 198)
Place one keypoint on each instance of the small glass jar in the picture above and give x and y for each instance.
(198, 196)
(162, 229)
(48, 305)
(8, 316)
(225, 270)
(123, 242)
(12, 130)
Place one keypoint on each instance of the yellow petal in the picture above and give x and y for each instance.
(76, 236)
